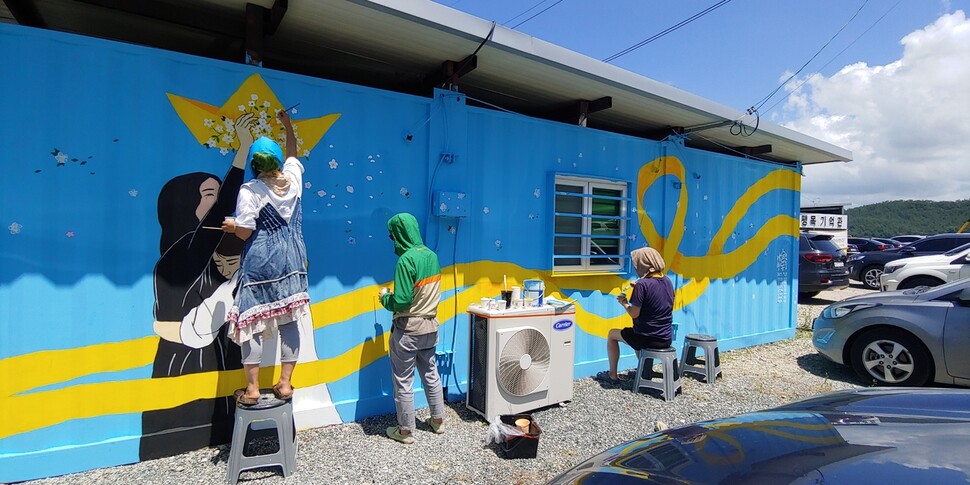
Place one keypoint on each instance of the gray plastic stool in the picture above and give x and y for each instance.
(669, 384)
(709, 366)
(269, 413)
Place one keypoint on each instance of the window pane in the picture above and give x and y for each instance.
(604, 246)
(568, 245)
(569, 204)
(569, 225)
(605, 227)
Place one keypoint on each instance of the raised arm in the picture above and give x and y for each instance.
(244, 134)
(290, 136)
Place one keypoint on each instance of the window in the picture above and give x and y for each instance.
(590, 225)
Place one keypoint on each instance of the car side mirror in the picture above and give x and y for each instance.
(967, 258)
(964, 295)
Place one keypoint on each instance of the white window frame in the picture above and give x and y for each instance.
(588, 184)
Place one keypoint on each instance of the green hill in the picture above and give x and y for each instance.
(897, 217)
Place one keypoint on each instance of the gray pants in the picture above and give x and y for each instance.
(252, 350)
(406, 352)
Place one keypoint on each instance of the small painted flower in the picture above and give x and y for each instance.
(536, 193)
(351, 241)
(307, 185)
(321, 193)
(224, 151)
(70, 234)
(498, 244)
(241, 108)
(208, 123)
(485, 210)
(350, 189)
(133, 193)
(14, 228)
(369, 178)
(333, 164)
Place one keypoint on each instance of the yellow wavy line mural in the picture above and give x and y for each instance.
(715, 264)
(477, 279)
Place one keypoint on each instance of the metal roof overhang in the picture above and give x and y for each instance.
(400, 45)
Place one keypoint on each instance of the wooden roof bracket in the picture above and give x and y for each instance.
(261, 21)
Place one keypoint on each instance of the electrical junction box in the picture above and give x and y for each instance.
(451, 204)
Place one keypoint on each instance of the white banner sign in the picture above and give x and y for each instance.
(824, 221)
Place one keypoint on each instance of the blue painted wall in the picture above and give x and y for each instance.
(93, 133)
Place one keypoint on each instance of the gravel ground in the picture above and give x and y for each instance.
(753, 378)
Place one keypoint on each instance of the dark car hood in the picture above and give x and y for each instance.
(861, 436)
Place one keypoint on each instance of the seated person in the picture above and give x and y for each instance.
(650, 306)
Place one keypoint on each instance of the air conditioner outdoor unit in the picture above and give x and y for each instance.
(521, 359)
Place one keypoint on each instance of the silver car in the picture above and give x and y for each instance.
(901, 338)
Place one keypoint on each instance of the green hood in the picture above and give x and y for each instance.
(404, 228)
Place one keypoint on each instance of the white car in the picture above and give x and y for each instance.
(926, 270)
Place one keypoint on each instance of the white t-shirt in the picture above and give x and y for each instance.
(253, 195)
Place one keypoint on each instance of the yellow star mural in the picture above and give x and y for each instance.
(213, 125)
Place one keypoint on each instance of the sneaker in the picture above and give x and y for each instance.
(659, 426)
(394, 433)
(436, 427)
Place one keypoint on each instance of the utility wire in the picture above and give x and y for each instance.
(809, 78)
(524, 12)
(764, 100)
(537, 14)
(666, 31)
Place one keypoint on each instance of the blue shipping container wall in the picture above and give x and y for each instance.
(110, 149)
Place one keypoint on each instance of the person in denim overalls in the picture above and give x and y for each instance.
(272, 290)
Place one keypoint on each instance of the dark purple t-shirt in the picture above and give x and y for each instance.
(655, 297)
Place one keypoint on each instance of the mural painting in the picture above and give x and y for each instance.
(121, 177)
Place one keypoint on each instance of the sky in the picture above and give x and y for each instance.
(886, 79)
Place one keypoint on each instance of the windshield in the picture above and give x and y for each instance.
(957, 250)
(823, 242)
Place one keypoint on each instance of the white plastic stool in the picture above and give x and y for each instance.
(669, 383)
(269, 413)
(709, 366)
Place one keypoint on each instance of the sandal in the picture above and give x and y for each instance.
(241, 399)
(604, 376)
(279, 394)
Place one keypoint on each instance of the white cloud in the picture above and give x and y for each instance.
(907, 122)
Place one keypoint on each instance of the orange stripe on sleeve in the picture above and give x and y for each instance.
(427, 281)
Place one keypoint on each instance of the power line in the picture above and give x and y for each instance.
(537, 14)
(833, 58)
(524, 11)
(667, 31)
(764, 100)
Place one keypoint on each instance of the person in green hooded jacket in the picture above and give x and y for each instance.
(414, 332)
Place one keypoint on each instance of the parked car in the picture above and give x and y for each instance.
(927, 270)
(900, 338)
(867, 267)
(851, 249)
(874, 435)
(908, 238)
(865, 244)
(892, 243)
(821, 264)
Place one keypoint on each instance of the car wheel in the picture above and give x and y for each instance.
(870, 276)
(890, 357)
(919, 281)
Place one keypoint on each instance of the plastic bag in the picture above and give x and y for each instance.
(499, 432)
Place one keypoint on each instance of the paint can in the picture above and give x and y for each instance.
(534, 290)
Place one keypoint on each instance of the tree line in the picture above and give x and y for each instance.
(898, 217)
